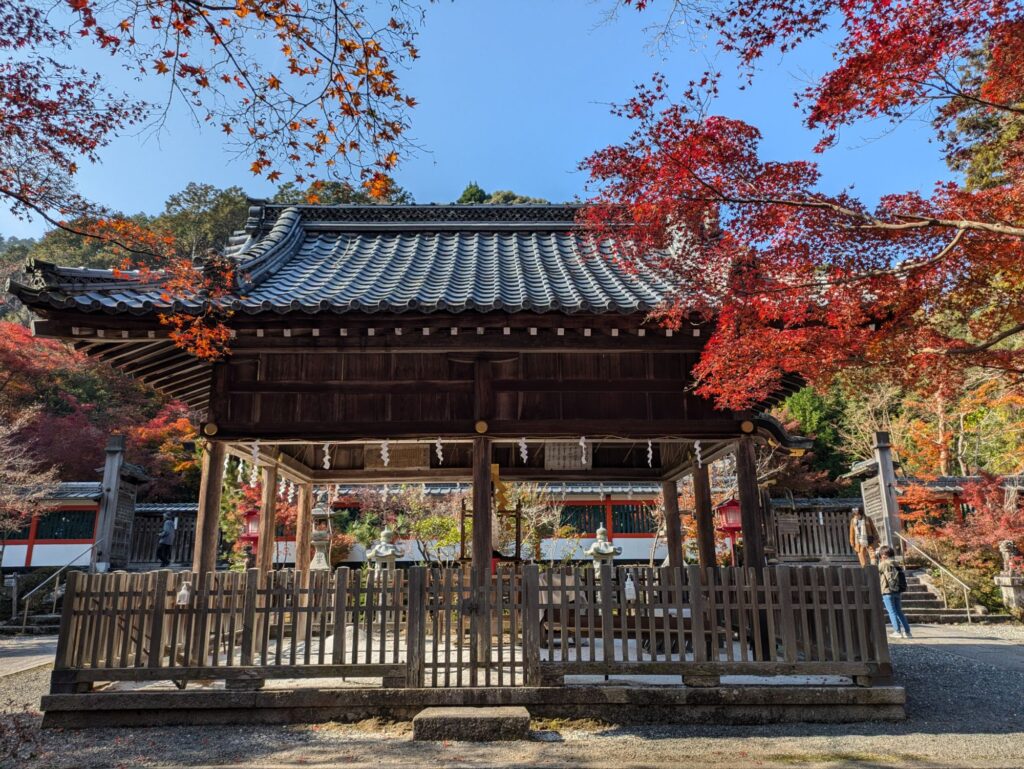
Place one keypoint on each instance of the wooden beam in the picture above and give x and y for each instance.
(481, 565)
(204, 556)
(465, 474)
(704, 516)
(542, 342)
(135, 352)
(410, 387)
(483, 390)
(625, 429)
(687, 466)
(268, 522)
(750, 502)
(673, 529)
(303, 527)
(590, 385)
(172, 362)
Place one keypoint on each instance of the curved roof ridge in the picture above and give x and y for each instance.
(271, 252)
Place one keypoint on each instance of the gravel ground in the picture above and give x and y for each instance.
(961, 713)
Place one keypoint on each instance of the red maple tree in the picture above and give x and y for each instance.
(303, 87)
(804, 282)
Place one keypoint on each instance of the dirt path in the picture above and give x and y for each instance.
(965, 710)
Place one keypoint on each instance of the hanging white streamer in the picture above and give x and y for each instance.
(650, 454)
(254, 471)
(385, 453)
(292, 490)
(524, 452)
(240, 471)
(583, 450)
(696, 451)
(282, 485)
(439, 450)
(327, 456)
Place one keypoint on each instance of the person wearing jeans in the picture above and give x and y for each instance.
(889, 573)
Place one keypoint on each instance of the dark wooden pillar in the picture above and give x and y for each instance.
(673, 534)
(704, 516)
(481, 509)
(304, 527)
(268, 521)
(750, 502)
(204, 554)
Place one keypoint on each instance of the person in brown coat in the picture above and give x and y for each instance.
(863, 537)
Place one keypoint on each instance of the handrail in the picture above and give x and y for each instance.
(945, 572)
(41, 585)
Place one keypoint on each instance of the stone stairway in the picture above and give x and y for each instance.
(38, 624)
(922, 603)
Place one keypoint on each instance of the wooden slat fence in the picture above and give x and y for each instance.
(813, 535)
(824, 620)
(434, 628)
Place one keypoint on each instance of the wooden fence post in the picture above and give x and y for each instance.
(156, 641)
(786, 610)
(876, 618)
(415, 632)
(62, 679)
(250, 631)
(531, 625)
(607, 619)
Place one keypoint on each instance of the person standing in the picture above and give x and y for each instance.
(894, 583)
(863, 537)
(166, 540)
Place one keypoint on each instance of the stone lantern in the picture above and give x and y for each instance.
(603, 551)
(322, 534)
(1010, 580)
(384, 553)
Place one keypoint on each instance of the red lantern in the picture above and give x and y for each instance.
(730, 522)
(729, 517)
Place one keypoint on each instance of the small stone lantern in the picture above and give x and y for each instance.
(322, 534)
(603, 551)
(383, 554)
(1011, 581)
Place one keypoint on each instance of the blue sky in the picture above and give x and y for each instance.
(513, 95)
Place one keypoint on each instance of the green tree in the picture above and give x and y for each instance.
(508, 197)
(202, 216)
(337, 193)
(62, 246)
(473, 193)
(819, 416)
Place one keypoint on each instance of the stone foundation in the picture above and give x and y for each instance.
(614, 704)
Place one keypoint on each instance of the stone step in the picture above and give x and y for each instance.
(954, 617)
(15, 629)
(44, 619)
(485, 724)
(928, 602)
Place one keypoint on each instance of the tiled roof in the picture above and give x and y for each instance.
(90, 490)
(366, 259)
(159, 508)
(816, 503)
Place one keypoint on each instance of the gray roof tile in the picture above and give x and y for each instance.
(369, 259)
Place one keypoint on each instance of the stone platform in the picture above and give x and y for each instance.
(472, 724)
(614, 704)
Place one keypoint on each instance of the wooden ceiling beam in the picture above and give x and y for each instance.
(554, 429)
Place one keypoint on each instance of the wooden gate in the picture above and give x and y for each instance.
(473, 635)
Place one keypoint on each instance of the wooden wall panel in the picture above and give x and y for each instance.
(278, 390)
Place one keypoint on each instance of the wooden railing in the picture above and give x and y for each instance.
(703, 624)
(146, 532)
(434, 628)
(813, 535)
